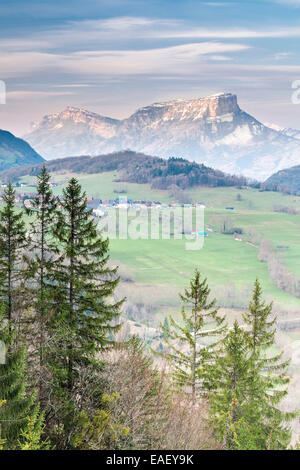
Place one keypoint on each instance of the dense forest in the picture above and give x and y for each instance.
(70, 381)
(136, 168)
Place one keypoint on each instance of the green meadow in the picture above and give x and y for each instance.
(161, 268)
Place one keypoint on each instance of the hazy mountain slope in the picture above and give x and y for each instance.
(15, 152)
(212, 130)
(286, 131)
(285, 180)
(295, 133)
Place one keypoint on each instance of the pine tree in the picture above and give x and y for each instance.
(12, 241)
(85, 284)
(40, 264)
(261, 331)
(199, 321)
(241, 416)
(271, 369)
(20, 404)
(236, 421)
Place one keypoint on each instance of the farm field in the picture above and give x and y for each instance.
(159, 269)
(102, 185)
(230, 266)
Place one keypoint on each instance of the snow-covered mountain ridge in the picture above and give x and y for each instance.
(212, 130)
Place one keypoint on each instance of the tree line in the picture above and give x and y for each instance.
(69, 381)
(136, 167)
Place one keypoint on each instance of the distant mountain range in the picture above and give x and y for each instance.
(287, 131)
(212, 130)
(15, 152)
(132, 167)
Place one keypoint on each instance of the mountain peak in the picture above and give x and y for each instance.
(193, 109)
(217, 97)
(73, 114)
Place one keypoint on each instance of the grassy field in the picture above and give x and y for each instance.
(161, 268)
(230, 266)
(102, 185)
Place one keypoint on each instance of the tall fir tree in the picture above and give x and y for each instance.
(260, 325)
(12, 242)
(271, 368)
(236, 420)
(40, 262)
(241, 416)
(200, 319)
(19, 403)
(86, 312)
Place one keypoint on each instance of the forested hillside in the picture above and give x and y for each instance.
(287, 180)
(16, 152)
(136, 168)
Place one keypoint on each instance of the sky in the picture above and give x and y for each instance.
(114, 56)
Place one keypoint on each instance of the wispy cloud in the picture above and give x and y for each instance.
(287, 2)
(216, 4)
(220, 57)
(232, 33)
(73, 85)
(22, 95)
(174, 59)
(24, 44)
(22, 64)
(78, 35)
(282, 55)
(140, 27)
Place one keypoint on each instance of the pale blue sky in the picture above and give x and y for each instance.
(112, 56)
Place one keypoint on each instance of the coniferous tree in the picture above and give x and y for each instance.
(199, 320)
(20, 404)
(272, 370)
(85, 313)
(261, 332)
(43, 209)
(12, 241)
(235, 418)
(240, 414)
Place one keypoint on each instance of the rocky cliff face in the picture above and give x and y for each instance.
(213, 130)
